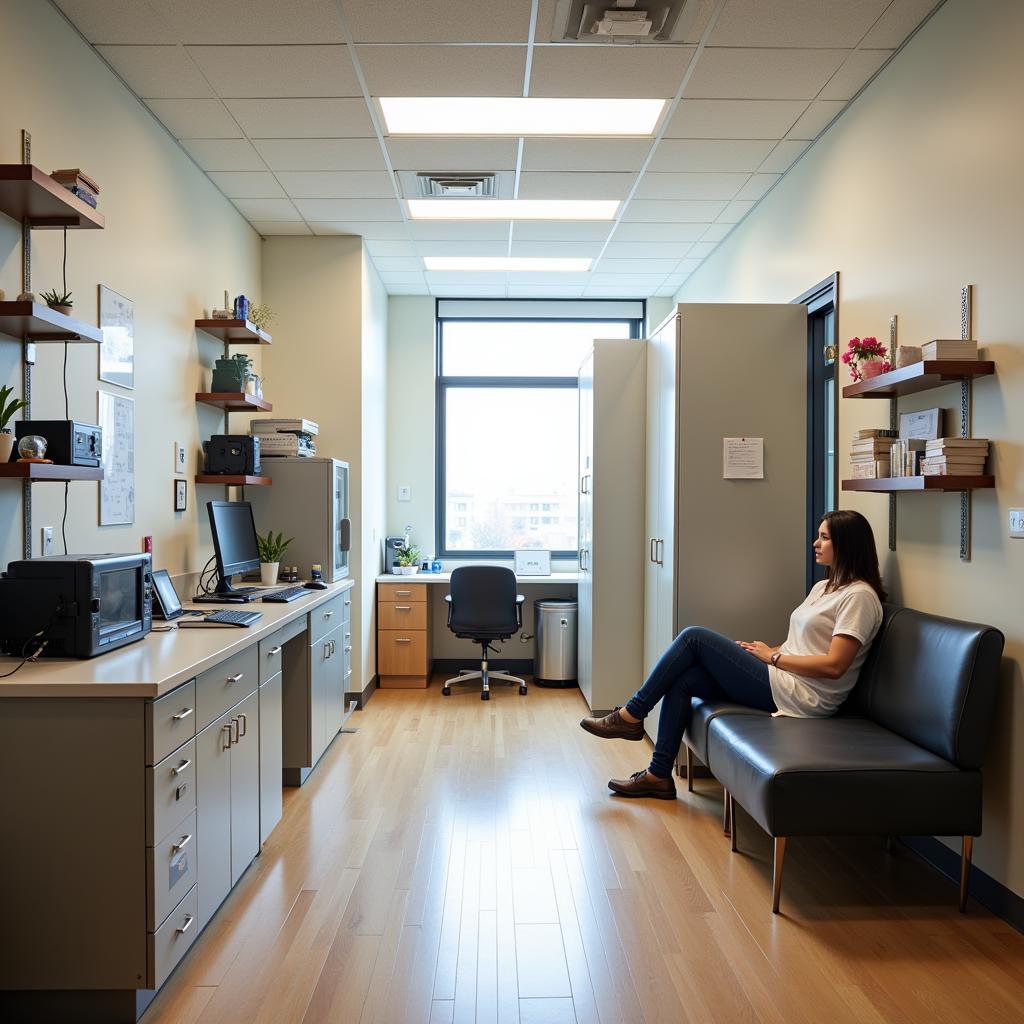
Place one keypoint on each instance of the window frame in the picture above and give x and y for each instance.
(444, 383)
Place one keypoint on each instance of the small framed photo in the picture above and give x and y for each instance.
(532, 563)
(180, 495)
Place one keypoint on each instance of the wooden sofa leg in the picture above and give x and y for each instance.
(726, 823)
(965, 871)
(780, 853)
(689, 770)
(732, 823)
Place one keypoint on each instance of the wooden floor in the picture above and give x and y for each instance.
(463, 861)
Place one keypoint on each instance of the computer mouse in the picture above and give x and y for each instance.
(315, 585)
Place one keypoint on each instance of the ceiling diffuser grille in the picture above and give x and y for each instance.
(457, 186)
(611, 21)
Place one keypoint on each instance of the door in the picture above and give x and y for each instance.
(327, 690)
(213, 815)
(270, 755)
(585, 623)
(245, 785)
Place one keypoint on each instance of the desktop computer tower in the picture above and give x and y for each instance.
(309, 502)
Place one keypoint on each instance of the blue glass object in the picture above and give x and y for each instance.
(241, 307)
(435, 566)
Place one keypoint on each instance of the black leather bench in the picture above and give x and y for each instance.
(902, 756)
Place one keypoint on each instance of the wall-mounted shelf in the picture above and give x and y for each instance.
(235, 332)
(234, 402)
(36, 322)
(234, 481)
(920, 376)
(896, 484)
(39, 471)
(27, 194)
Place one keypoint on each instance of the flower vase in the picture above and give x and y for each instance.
(871, 368)
(268, 573)
(6, 445)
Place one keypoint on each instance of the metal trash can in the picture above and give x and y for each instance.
(554, 626)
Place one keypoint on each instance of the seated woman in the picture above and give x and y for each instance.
(808, 676)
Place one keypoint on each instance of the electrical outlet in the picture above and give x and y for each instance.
(179, 457)
(405, 494)
(1015, 520)
(47, 540)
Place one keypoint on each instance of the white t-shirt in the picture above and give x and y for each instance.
(853, 610)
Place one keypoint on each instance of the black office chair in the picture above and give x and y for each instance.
(483, 606)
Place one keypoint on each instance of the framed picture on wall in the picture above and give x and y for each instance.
(180, 495)
(117, 350)
(117, 488)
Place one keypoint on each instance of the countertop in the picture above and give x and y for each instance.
(555, 578)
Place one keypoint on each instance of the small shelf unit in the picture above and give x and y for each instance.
(234, 332)
(920, 376)
(233, 402)
(895, 484)
(31, 196)
(35, 472)
(32, 321)
(233, 481)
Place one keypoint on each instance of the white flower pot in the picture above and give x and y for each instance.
(268, 573)
(6, 446)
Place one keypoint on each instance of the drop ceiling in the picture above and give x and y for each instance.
(274, 100)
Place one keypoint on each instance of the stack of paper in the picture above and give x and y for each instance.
(869, 453)
(955, 456)
(949, 349)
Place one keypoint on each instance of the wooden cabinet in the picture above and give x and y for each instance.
(403, 635)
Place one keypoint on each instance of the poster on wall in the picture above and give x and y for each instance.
(117, 488)
(117, 350)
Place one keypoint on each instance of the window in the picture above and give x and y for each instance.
(507, 421)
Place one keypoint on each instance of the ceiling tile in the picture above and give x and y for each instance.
(710, 154)
(321, 154)
(252, 21)
(659, 231)
(734, 119)
(118, 21)
(402, 278)
(859, 67)
(223, 154)
(682, 212)
(462, 247)
(757, 186)
(443, 70)
(195, 119)
(561, 230)
(247, 184)
(369, 229)
(407, 289)
(267, 209)
(348, 209)
(782, 156)
(239, 71)
(280, 227)
(584, 154)
(402, 264)
(437, 21)
(736, 211)
(898, 21)
(460, 230)
(337, 184)
(649, 268)
(716, 232)
(644, 72)
(688, 266)
(302, 118)
(624, 290)
(341, 227)
(570, 185)
(471, 291)
(444, 154)
(526, 247)
(163, 71)
(647, 250)
(550, 280)
(762, 74)
(409, 184)
(686, 185)
(539, 291)
(795, 22)
(391, 248)
(446, 277)
(817, 118)
(702, 249)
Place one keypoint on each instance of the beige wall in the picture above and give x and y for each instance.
(913, 193)
(172, 244)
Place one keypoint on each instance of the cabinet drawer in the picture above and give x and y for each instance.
(401, 652)
(170, 721)
(401, 592)
(326, 617)
(170, 791)
(271, 647)
(171, 869)
(224, 685)
(171, 941)
(402, 615)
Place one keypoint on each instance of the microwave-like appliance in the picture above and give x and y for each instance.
(80, 605)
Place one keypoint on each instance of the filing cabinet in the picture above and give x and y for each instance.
(403, 635)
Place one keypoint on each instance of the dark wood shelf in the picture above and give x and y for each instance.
(234, 332)
(26, 193)
(47, 471)
(920, 376)
(234, 401)
(897, 484)
(37, 322)
(234, 481)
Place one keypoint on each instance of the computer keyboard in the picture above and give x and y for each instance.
(291, 594)
(227, 618)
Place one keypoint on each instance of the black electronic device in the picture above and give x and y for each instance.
(79, 605)
(68, 442)
(166, 604)
(225, 618)
(234, 546)
(283, 596)
(315, 585)
(233, 455)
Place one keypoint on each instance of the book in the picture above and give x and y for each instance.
(75, 175)
(872, 444)
(949, 349)
(958, 442)
(867, 432)
(84, 194)
(954, 469)
(284, 426)
(873, 470)
(967, 460)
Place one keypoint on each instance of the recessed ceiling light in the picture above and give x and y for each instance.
(512, 209)
(506, 264)
(510, 115)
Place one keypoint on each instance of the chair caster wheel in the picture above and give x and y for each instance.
(522, 691)
(485, 696)
(446, 691)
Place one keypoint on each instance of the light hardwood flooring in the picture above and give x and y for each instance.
(457, 860)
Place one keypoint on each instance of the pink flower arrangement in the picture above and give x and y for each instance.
(868, 349)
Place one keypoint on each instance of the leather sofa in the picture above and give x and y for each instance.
(901, 757)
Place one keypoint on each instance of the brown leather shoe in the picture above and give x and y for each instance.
(643, 783)
(613, 727)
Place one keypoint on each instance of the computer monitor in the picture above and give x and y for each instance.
(234, 540)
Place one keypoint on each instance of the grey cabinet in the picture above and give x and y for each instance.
(245, 786)
(328, 688)
(270, 756)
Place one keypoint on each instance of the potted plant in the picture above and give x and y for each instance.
(271, 549)
(61, 302)
(408, 558)
(7, 411)
(866, 357)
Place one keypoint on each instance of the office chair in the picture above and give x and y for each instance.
(483, 606)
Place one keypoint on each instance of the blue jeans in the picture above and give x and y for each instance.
(698, 663)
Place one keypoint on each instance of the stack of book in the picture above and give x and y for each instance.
(869, 453)
(949, 349)
(955, 456)
(906, 456)
(78, 183)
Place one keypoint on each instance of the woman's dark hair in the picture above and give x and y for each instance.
(853, 552)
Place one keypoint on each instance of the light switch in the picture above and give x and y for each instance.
(1015, 521)
(179, 457)
(405, 494)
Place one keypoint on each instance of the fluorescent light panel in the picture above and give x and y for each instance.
(512, 209)
(519, 116)
(509, 264)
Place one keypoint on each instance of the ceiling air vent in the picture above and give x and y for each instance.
(612, 21)
(457, 186)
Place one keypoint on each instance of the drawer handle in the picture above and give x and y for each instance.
(348, 648)
(185, 927)
(403, 640)
(234, 724)
(181, 767)
(403, 593)
(327, 649)
(328, 615)
(348, 603)
(244, 719)
(183, 713)
(227, 728)
(181, 843)
(237, 678)
(273, 651)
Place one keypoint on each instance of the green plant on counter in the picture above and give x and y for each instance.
(8, 409)
(52, 298)
(408, 555)
(271, 548)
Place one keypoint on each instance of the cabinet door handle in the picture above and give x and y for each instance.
(650, 552)
(273, 651)
(182, 843)
(237, 734)
(183, 713)
(227, 728)
(403, 607)
(661, 552)
(181, 767)
(348, 602)
(403, 640)
(185, 927)
(237, 678)
(327, 649)
(348, 648)
(244, 719)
